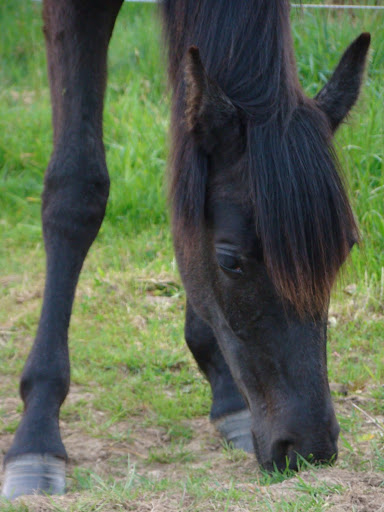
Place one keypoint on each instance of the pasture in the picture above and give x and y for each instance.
(136, 421)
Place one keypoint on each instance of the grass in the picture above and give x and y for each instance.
(133, 381)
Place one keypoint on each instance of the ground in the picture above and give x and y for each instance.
(141, 460)
(149, 456)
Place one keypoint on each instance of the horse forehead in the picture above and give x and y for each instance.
(229, 184)
(225, 210)
(232, 221)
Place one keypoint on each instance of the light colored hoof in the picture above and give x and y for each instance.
(34, 474)
(236, 430)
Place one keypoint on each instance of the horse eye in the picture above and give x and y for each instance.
(230, 263)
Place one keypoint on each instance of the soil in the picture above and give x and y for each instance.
(359, 491)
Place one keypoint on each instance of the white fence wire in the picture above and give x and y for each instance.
(337, 6)
(303, 6)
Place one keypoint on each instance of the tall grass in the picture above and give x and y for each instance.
(136, 122)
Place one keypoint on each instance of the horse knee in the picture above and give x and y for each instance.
(76, 189)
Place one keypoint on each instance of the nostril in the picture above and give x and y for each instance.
(282, 453)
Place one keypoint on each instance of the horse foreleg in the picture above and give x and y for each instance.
(229, 412)
(76, 187)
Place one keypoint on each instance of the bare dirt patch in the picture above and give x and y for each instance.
(153, 453)
(345, 490)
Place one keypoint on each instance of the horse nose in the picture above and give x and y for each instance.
(318, 446)
(287, 453)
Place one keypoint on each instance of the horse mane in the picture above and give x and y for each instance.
(301, 210)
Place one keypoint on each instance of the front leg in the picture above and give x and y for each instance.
(229, 413)
(76, 187)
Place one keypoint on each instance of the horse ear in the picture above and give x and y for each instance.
(341, 92)
(208, 110)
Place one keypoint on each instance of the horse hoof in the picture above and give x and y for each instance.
(236, 430)
(34, 474)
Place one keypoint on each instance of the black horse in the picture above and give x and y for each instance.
(261, 222)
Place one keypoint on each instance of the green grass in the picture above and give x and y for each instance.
(132, 377)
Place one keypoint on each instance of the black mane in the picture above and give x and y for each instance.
(302, 214)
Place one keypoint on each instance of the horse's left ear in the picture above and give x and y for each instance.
(209, 112)
(341, 92)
